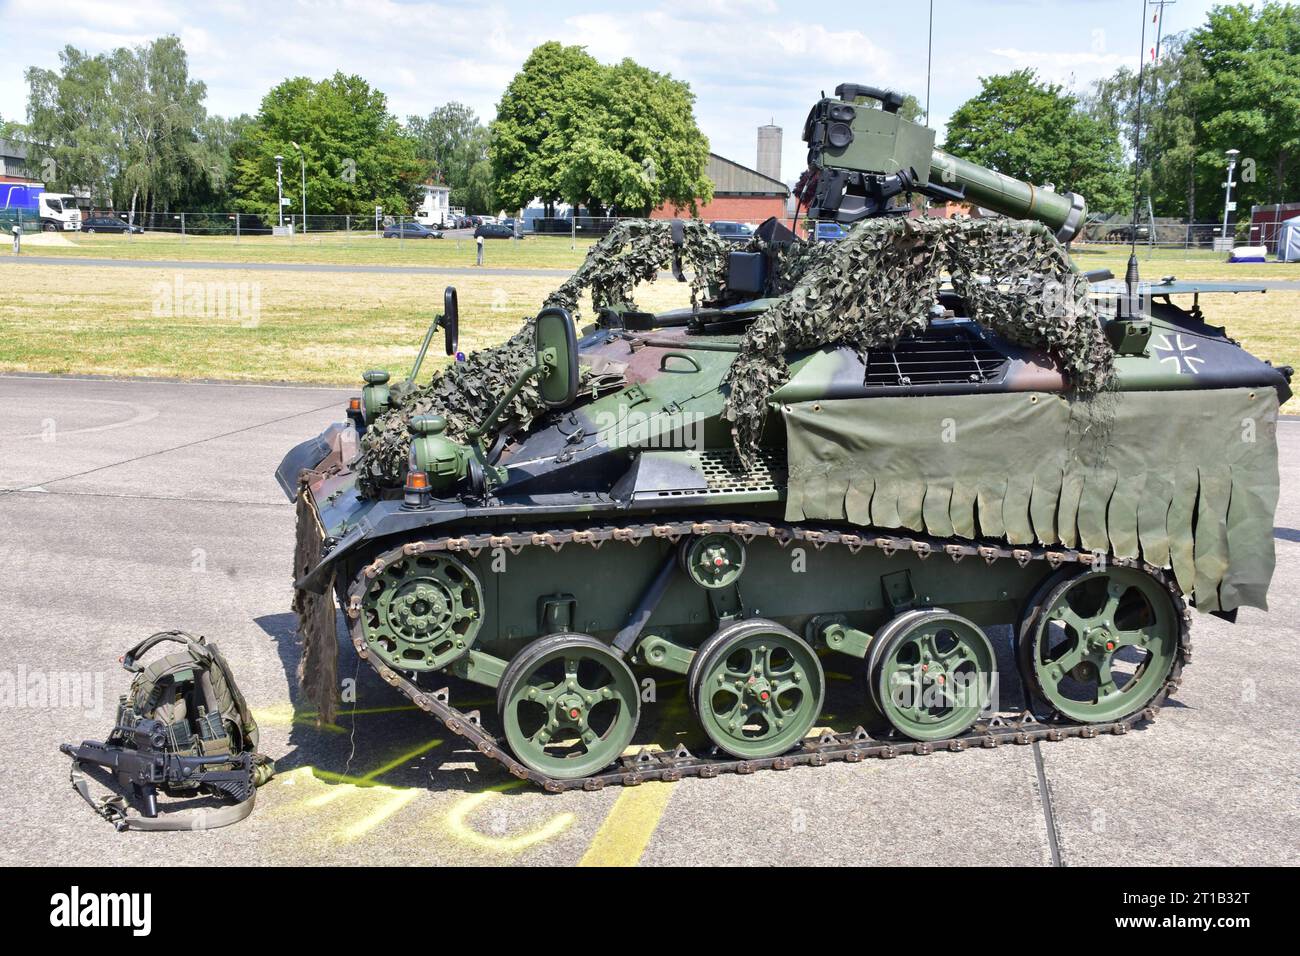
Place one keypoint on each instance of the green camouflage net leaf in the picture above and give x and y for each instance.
(633, 252)
(636, 251)
(463, 392)
(878, 284)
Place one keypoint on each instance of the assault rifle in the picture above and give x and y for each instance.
(138, 754)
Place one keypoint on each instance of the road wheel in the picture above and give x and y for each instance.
(757, 688)
(1100, 645)
(931, 673)
(569, 705)
(49, 227)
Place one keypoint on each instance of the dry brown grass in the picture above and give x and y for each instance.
(311, 327)
(329, 327)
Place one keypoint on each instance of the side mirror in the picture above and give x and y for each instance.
(557, 356)
(450, 320)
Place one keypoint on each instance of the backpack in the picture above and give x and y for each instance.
(183, 727)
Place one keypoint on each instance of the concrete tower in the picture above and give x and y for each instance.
(769, 151)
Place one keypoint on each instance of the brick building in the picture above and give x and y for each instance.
(740, 194)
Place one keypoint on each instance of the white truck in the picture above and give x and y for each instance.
(56, 212)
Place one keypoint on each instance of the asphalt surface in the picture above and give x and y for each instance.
(130, 507)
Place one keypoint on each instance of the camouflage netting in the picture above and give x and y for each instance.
(463, 392)
(633, 252)
(870, 289)
(636, 251)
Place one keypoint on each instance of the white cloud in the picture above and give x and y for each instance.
(748, 61)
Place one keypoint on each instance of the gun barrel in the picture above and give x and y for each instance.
(1063, 212)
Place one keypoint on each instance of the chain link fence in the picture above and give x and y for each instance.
(240, 226)
(1161, 237)
(1170, 235)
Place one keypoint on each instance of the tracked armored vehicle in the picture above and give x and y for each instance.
(871, 450)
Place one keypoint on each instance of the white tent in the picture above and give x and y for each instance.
(1288, 241)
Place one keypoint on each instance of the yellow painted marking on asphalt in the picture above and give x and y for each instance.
(278, 715)
(368, 780)
(626, 832)
(459, 824)
(399, 799)
(282, 715)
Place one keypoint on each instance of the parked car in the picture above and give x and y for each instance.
(494, 230)
(736, 231)
(108, 224)
(410, 230)
(829, 232)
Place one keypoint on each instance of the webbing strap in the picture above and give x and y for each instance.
(114, 808)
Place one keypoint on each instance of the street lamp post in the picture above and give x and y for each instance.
(303, 159)
(279, 186)
(1232, 155)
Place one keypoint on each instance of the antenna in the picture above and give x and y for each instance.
(1131, 273)
(929, 56)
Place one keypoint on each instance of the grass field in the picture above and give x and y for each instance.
(270, 325)
(535, 252)
(259, 326)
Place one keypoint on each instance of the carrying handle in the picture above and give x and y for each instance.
(663, 362)
(130, 660)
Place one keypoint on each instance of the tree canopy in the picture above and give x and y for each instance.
(125, 124)
(453, 145)
(1232, 83)
(356, 154)
(620, 137)
(1035, 131)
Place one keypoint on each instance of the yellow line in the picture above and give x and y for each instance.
(458, 823)
(626, 832)
(368, 780)
(371, 820)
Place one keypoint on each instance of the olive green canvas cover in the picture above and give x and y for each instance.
(1181, 479)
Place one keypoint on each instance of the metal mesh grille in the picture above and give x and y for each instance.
(934, 361)
(725, 474)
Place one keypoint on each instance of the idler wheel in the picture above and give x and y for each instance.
(421, 613)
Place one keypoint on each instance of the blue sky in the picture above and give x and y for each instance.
(748, 61)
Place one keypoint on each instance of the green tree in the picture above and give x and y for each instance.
(74, 140)
(637, 145)
(157, 111)
(618, 137)
(1248, 97)
(1035, 131)
(210, 186)
(122, 124)
(453, 145)
(1170, 169)
(357, 156)
(535, 122)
